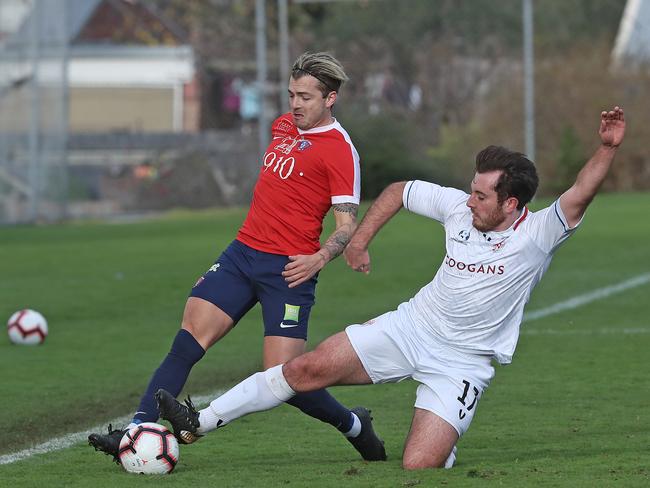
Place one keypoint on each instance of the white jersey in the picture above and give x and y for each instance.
(475, 302)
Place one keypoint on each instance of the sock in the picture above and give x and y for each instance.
(170, 375)
(449, 463)
(355, 430)
(324, 407)
(261, 391)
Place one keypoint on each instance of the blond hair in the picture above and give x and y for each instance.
(322, 66)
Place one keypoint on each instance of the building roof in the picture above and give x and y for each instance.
(104, 42)
(103, 22)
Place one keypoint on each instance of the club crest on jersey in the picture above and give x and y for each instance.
(499, 245)
(304, 144)
(287, 144)
(463, 235)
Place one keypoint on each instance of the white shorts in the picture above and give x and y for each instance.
(451, 382)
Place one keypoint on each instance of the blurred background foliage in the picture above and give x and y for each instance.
(433, 82)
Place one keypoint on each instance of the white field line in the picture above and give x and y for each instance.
(588, 332)
(592, 296)
(69, 440)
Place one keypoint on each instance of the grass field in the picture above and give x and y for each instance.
(572, 410)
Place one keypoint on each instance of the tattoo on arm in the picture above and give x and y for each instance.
(350, 208)
(336, 243)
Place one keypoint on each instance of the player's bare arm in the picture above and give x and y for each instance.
(381, 211)
(345, 215)
(575, 200)
(303, 267)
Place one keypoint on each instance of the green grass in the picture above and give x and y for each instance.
(572, 409)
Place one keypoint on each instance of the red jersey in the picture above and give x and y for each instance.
(302, 175)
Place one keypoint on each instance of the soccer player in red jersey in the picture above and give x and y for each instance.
(309, 167)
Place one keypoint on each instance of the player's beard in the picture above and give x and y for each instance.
(490, 222)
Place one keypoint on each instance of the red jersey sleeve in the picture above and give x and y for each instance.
(343, 172)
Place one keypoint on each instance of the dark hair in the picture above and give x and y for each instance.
(518, 174)
(322, 66)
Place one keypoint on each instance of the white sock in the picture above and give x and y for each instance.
(208, 420)
(451, 459)
(355, 430)
(277, 383)
(261, 391)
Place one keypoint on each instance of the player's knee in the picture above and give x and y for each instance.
(421, 461)
(201, 334)
(302, 371)
(298, 367)
(206, 322)
(204, 333)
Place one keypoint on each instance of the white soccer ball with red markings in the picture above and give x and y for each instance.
(27, 327)
(149, 448)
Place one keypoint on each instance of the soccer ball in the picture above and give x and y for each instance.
(149, 448)
(27, 327)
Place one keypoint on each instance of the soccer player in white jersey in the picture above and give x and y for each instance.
(447, 335)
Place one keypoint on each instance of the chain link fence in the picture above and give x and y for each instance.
(33, 128)
(95, 128)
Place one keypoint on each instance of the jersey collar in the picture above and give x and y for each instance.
(509, 230)
(524, 214)
(322, 128)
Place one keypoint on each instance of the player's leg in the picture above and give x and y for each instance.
(452, 384)
(279, 350)
(203, 324)
(318, 404)
(361, 355)
(217, 301)
(355, 424)
(430, 441)
(268, 389)
(286, 314)
(332, 360)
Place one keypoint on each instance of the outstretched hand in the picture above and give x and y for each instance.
(612, 127)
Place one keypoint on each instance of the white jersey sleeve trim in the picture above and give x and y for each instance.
(356, 183)
(548, 227)
(560, 215)
(345, 199)
(406, 194)
(356, 186)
